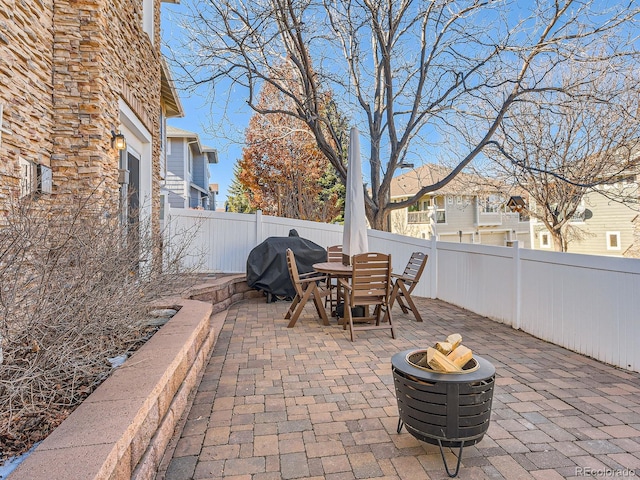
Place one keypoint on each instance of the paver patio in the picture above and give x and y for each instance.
(279, 403)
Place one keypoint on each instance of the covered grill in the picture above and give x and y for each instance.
(444, 409)
(267, 264)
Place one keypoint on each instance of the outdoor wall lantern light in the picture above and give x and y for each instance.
(118, 141)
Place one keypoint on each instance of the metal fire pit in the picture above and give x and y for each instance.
(444, 409)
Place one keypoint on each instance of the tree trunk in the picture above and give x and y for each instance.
(379, 221)
(559, 244)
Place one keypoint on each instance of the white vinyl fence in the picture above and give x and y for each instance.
(588, 304)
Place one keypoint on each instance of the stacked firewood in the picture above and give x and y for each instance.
(448, 356)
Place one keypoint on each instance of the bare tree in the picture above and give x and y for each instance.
(563, 144)
(409, 72)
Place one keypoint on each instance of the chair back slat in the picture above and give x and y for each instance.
(405, 283)
(334, 253)
(293, 271)
(414, 268)
(370, 278)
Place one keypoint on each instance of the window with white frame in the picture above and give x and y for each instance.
(2, 127)
(420, 206)
(613, 240)
(44, 179)
(27, 177)
(579, 214)
(491, 204)
(34, 178)
(545, 240)
(441, 212)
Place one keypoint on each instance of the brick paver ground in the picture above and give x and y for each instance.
(279, 403)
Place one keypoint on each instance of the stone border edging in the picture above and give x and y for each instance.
(122, 429)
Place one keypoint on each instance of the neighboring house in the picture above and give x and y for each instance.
(601, 226)
(213, 192)
(74, 76)
(469, 209)
(187, 179)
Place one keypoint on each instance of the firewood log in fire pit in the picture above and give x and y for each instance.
(448, 356)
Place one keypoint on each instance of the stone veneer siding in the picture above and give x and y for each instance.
(64, 65)
(26, 59)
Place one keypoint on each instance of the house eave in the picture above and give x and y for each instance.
(168, 92)
(211, 154)
(198, 187)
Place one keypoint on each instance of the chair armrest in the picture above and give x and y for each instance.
(344, 284)
(313, 279)
(402, 277)
(312, 274)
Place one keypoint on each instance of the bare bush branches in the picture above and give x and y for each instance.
(75, 289)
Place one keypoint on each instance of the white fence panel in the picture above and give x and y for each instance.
(220, 242)
(324, 234)
(479, 278)
(588, 304)
(401, 247)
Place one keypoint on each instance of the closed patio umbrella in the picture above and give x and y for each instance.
(354, 237)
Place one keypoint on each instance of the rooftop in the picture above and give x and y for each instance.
(279, 403)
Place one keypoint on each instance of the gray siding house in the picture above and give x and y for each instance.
(469, 209)
(601, 226)
(186, 183)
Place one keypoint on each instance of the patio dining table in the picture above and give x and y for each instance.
(334, 270)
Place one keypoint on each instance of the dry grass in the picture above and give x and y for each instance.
(75, 290)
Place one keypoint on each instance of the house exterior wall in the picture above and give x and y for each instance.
(179, 181)
(634, 250)
(608, 217)
(459, 215)
(70, 67)
(26, 63)
(464, 223)
(176, 172)
(201, 171)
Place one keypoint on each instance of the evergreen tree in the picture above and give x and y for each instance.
(238, 197)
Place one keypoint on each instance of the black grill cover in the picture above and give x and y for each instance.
(267, 263)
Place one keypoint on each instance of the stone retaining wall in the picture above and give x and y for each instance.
(223, 291)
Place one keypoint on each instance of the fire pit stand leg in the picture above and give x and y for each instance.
(446, 467)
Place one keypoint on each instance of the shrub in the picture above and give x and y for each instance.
(75, 290)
